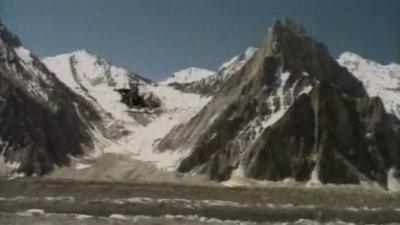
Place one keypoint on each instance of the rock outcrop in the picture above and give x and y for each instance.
(132, 97)
(291, 112)
(42, 122)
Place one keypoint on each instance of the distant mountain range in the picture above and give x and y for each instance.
(284, 111)
(188, 75)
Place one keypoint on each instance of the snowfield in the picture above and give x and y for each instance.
(96, 80)
(177, 108)
(379, 80)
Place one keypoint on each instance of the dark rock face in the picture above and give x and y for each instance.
(347, 140)
(42, 122)
(134, 99)
(291, 111)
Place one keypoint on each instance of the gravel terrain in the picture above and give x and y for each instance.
(46, 201)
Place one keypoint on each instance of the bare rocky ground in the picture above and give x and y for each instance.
(122, 168)
(65, 201)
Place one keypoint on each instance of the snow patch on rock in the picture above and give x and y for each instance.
(83, 217)
(118, 217)
(7, 169)
(237, 62)
(314, 178)
(32, 212)
(39, 80)
(393, 182)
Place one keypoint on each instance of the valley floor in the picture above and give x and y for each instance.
(50, 201)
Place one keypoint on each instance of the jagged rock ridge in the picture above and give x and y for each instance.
(290, 112)
(42, 122)
(210, 85)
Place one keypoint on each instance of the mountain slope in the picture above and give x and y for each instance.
(210, 85)
(136, 129)
(42, 122)
(290, 112)
(104, 85)
(379, 80)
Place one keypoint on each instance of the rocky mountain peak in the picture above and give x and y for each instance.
(290, 112)
(7, 37)
(289, 48)
(280, 36)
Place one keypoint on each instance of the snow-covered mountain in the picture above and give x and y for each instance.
(291, 112)
(188, 75)
(100, 82)
(47, 119)
(286, 110)
(379, 80)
